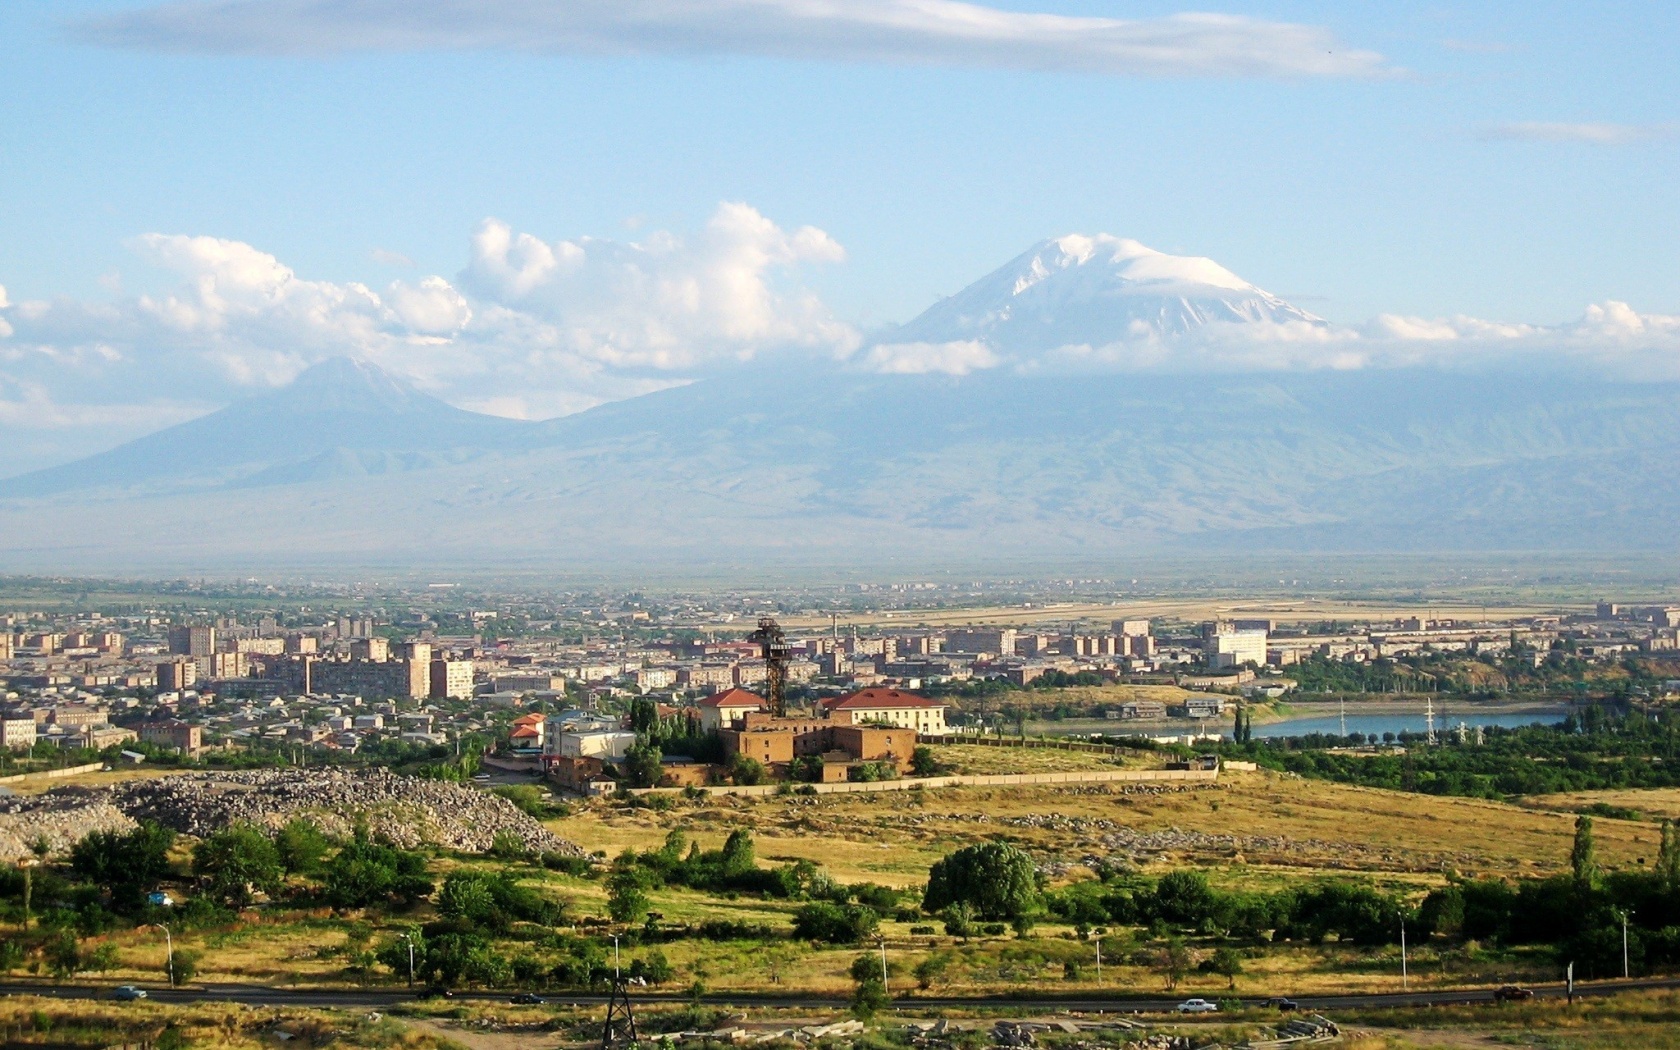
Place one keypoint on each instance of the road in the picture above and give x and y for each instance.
(257, 995)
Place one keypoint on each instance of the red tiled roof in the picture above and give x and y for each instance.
(873, 699)
(735, 698)
(524, 731)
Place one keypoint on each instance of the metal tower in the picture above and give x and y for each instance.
(775, 651)
(620, 1029)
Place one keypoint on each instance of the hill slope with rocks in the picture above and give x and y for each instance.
(407, 811)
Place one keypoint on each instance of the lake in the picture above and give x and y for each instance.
(1406, 723)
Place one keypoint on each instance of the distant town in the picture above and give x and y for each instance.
(635, 692)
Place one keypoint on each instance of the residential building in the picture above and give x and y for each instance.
(176, 675)
(192, 641)
(1000, 642)
(16, 733)
(725, 709)
(451, 679)
(182, 736)
(1226, 647)
(375, 649)
(888, 706)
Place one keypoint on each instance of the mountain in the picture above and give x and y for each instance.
(1092, 291)
(340, 418)
(797, 465)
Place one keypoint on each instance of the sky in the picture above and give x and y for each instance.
(530, 206)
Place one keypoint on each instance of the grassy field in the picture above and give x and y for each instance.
(1257, 831)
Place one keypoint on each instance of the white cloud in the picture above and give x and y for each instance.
(533, 329)
(956, 358)
(1593, 134)
(909, 32)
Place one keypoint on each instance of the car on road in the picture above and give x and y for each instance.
(127, 993)
(1197, 1006)
(527, 999)
(1281, 1004)
(1512, 993)
(435, 993)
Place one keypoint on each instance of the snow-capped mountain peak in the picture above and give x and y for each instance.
(1096, 290)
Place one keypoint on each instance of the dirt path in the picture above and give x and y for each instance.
(475, 1038)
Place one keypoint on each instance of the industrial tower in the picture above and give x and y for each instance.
(774, 649)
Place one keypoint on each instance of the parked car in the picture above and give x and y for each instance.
(127, 993)
(527, 999)
(1197, 1006)
(1281, 1004)
(1512, 993)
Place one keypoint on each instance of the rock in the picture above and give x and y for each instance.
(409, 811)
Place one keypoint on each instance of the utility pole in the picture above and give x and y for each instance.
(169, 944)
(410, 941)
(1405, 978)
(883, 942)
(1099, 959)
(1625, 915)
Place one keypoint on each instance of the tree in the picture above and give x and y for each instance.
(644, 717)
(63, 955)
(129, 864)
(1226, 963)
(1174, 960)
(642, 767)
(931, 970)
(739, 856)
(303, 846)
(834, 923)
(996, 879)
(100, 959)
(1184, 897)
(923, 763)
(1583, 857)
(236, 863)
(365, 873)
(11, 955)
(959, 920)
(625, 900)
(1668, 857)
(745, 769)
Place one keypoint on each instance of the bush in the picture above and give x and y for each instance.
(834, 923)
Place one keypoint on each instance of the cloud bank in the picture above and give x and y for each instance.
(901, 32)
(529, 328)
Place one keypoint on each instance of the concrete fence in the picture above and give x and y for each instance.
(1101, 776)
(51, 774)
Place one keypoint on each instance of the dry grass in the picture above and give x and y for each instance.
(207, 1026)
(981, 760)
(1658, 803)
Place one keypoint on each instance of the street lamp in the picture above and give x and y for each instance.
(1625, 915)
(410, 941)
(882, 939)
(169, 943)
(1405, 978)
(27, 866)
(616, 973)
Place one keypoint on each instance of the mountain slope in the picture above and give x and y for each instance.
(340, 418)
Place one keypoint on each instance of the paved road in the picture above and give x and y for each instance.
(257, 995)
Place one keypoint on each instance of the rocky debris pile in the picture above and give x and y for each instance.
(61, 823)
(408, 811)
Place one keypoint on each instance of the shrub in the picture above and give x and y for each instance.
(834, 923)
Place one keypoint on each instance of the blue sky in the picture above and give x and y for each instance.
(1509, 161)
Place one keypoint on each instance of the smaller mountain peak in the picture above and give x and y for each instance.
(345, 382)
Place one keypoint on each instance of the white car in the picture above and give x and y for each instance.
(1197, 1006)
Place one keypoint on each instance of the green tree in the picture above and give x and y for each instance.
(1668, 857)
(739, 856)
(995, 878)
(186, 966)
(923, 763)
(625, 900)
(1583, 856)
(931, 970)
(366, 873)
(302, 846)
(1173, 960)
(642, 767)
(63, 955)
(129, 864)
(11, 955)
(236, 863)
(959, 920)
(1227, 963)
(745, 769)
